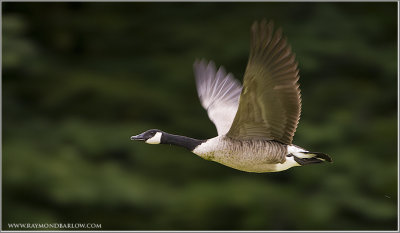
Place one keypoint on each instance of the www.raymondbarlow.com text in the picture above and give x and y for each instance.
(54, 225)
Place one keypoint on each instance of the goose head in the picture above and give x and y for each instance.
(151, 136)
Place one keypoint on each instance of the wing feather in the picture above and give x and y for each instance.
(218, 92)
(270, 103)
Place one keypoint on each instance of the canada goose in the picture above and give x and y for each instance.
(256, 122)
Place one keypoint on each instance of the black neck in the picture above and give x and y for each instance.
(177, 140)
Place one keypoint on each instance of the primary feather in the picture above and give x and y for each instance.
(219, 94)
(270, 102)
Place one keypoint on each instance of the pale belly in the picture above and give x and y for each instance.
(251, 163)
(253, 156)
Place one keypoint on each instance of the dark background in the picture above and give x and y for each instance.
(80, 78)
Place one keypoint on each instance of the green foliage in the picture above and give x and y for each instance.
(80, 78)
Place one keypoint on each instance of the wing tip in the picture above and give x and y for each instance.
(262, 25)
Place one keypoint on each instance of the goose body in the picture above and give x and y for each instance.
(245, 155)
(255, 122)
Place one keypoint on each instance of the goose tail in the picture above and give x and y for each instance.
(305, 158)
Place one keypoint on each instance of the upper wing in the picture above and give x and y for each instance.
(219, 94)
(270, 103)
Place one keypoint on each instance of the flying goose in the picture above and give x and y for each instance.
(255, 122)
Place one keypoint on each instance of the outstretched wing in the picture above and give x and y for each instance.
(270, 103)
(219, 94)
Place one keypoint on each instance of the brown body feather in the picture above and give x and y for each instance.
(245, 155)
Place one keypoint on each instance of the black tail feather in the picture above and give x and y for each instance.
(305, 161)
(317, 157)
(320, 155)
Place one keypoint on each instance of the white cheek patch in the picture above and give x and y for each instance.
(156, 139)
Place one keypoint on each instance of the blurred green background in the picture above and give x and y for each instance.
(80, 78)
